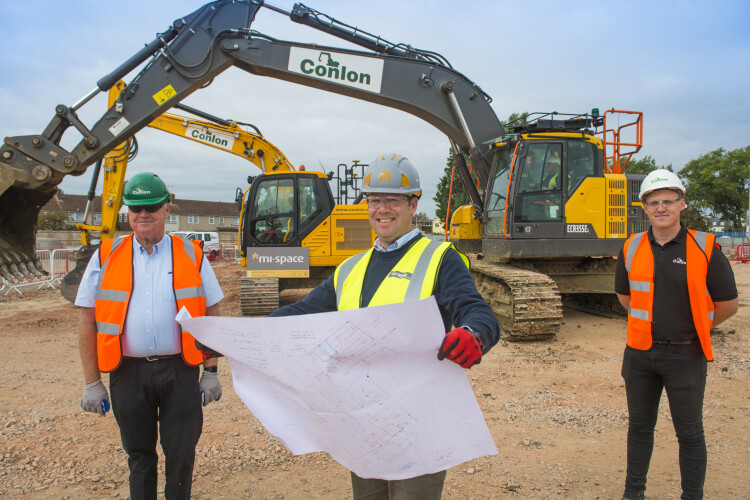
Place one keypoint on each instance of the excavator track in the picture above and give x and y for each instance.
(259, 296)
(526, 303)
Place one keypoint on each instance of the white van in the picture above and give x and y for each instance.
(211, 246)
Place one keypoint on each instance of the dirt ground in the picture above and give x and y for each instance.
(556, 410)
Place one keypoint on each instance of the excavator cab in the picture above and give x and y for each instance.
(282, 209)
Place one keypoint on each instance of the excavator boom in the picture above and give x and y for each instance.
(185, 58)
(508, 205)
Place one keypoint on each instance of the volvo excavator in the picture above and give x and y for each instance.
(524, 239)
(331, 231)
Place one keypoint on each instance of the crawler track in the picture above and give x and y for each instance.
(259, 296)
(527, 304)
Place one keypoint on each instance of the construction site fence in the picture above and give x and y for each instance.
(56, 263)
(224, 253)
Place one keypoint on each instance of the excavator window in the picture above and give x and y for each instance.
(308, 206)
(540, 184)
(273, 220)
(498, 191)
(581, 163)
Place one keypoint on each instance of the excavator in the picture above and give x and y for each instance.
(531, 245)
(280, 182)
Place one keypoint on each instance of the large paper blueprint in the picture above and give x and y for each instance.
(363, 385)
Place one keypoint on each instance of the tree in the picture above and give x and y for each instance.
(459, 195)
(717, 184)
(53, 220)
(515, 120)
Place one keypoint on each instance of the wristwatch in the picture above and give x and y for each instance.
(210, 369)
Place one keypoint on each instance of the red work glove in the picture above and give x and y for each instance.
(461, 347)
(207, 352)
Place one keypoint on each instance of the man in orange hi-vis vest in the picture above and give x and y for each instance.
(129, 296)
(676, 284)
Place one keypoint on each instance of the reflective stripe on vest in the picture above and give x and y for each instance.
(412, 278)
(639, 263)
(115, 285)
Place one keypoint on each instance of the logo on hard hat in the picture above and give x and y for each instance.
(140, 191)
(385, 176)
(657, 179)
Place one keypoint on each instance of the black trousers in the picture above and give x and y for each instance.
(681, 370)
(158, 398)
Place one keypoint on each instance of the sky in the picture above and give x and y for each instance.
(684, 64)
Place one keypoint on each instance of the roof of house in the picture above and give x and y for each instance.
(77, 203)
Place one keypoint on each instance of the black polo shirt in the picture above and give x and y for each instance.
(672, 318)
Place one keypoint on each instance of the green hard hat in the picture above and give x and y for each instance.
(145, 189)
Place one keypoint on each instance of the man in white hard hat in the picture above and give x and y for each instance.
(376, 277)
(676, 285)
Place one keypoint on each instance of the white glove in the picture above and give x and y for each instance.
(210, 387)
(95, 398)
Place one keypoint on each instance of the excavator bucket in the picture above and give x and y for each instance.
(19, 210)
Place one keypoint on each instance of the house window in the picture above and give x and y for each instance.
(172, 219)
(236, 221)
(97, 219)
(211, 220)
(192, 219)
(75, 217)
(122, 217)
(221, 220)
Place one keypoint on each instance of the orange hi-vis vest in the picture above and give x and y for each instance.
(116, 284)
(639, 263)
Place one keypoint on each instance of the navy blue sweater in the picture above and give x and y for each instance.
(457, 297)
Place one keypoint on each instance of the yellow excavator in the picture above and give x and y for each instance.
(332, 228)
(535, 244)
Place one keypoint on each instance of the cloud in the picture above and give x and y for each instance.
(682, 67)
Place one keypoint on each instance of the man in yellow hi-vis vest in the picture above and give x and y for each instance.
(676, 284)
(405, 266)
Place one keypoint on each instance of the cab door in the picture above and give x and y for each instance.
(284, 208)
(538, 208)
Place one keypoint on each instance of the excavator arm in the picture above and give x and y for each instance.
(227, 136)
(199, 47)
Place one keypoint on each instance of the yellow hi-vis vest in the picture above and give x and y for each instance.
(412, 278)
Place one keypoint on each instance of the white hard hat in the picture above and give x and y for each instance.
(391, 173)
(660, 179)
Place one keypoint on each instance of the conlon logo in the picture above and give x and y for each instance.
(213, 137)
(364, 73)
(658, 179)
(140, 191)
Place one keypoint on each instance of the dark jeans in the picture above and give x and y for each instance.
(163, 393)
(427, 487)
(681, 370)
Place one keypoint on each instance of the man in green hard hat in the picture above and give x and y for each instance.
(129, 296)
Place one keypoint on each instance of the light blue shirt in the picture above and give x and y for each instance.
(398, 243)
(150, 327)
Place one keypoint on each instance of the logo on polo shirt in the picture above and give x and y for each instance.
(679, 261)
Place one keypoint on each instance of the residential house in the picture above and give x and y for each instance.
(422, 222)
(187, 215)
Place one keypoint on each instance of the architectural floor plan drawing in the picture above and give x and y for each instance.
(363, 385)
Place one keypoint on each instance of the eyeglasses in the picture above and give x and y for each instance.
(148, 208)
(653, 205)
(389, 201)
